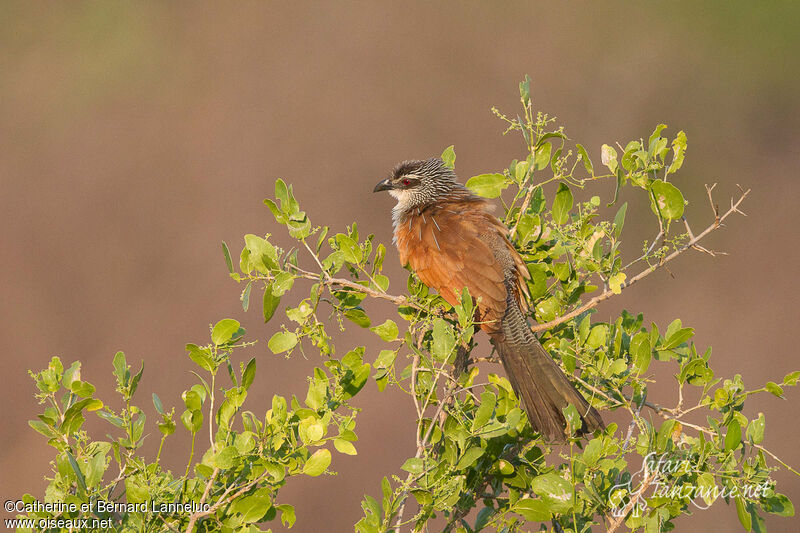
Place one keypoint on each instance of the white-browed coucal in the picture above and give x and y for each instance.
(450, 238)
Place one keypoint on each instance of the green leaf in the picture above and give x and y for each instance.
(43, 428)
(227, 254)
(355, 381)
(76, 469)
(192, 400)
(641, 352)
(619, 183)
(591, 454)
(483, 518)
(608, 156)
(245, 442)
(533, 510)
(352, 252)
(705, 485)
(504, 467)
(358, 316)
(779, 504)
(484, 412)
(317, 463)
(283, 193)
(385, 359)
(280, 217)
(201, 357)
(537, 201)
(664, 437)
(283, 283)
(678, 153)
(548, 309)
(449, 157)
(84, 389)
(135, 381)
(253, 507)
(656, 134)
(299, 229)
(311, 429)
(616, 281)
(555, 491)
(121, 368)
(345, 447)
(115, 420)
(96, 465)
(136, 490)
(246, 296)
(387, 331)
(562, 204)
(271, 303)
(734, 435)
(224, 330)
(413, 465)
(249, 374)
(743, 514)
(282, 341)
(598, 336)
(470, 456)
(755, 429)
(226, 458)
(317, 390)
(444, 340)
(676, 338)
(70, 375)
(584, 156)
(791, 378)
(487, 185)
(619, 219)
(288, 516)
(423, 497)
(192, 420)
(541, 157)
(774, 388)
(520, 171)
(573, 418)
(262, 255)
(666, 201)
(525, 90)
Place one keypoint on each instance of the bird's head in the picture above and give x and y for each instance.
(417, 182)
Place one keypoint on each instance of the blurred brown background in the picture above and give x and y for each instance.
(136, 137)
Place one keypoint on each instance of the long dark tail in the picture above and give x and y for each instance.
(539, 382)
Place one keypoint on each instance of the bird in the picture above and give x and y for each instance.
(451, 239)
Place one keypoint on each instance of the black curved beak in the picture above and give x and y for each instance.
(384, 185)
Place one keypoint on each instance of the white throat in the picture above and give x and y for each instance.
(405, 201)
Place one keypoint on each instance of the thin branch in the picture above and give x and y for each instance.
(326, 280)
(224, 499)
(522, 209)
(609, 293)
(632, 502)
(421, 444)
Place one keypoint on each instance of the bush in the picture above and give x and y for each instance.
(475, 450)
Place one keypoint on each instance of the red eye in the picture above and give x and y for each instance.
(406, 182)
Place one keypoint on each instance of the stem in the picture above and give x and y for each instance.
(160, 446)
(211, 414)
(191, 456)
(226, 498)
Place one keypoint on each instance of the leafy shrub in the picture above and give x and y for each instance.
(475, 450)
